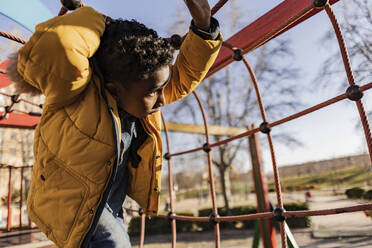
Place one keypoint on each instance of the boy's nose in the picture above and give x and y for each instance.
(161, 100)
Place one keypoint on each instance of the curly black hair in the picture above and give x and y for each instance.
(130, 51)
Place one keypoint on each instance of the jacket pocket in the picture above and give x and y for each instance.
(139, 183)
(57, 200)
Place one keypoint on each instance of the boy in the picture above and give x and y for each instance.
(98, 139)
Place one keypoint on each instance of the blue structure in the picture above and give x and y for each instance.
(27, 13)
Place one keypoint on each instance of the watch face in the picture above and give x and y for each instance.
(211, 34)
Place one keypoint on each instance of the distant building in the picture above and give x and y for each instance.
(315, 167)
(16, 145)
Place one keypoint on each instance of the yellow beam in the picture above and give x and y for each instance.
(213, 130)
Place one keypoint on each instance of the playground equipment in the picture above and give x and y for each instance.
(11, 170)
(283, 17)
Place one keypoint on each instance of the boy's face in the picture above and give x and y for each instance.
(143, 97)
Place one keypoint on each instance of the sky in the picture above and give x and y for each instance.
(326, 134)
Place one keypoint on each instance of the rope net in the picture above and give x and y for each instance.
(353, 93)
(14, 100)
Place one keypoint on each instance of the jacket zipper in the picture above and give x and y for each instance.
(106, 193)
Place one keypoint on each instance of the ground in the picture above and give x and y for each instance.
(342, 230)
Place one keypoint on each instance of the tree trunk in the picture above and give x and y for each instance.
(226, 188)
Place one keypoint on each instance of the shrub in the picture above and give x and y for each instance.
(354, 193)
(134, 227)
(368, 195)
(290, 188)
(158, 225)
(298, 222)
(244, 210)
(184, 226)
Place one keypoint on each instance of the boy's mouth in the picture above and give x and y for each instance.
(155, 110)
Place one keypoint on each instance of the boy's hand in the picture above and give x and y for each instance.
(200, 12)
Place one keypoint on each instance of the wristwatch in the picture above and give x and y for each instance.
(211, 34)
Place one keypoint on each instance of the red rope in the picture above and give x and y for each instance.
(214, 10)
(271, 145)
(268, 215)
(289, 214)
(276, 123)
(12, 37)
(210, 171)
(350, 75)
(218, 6)
(170, 183)
(21, 99)
(64, 10)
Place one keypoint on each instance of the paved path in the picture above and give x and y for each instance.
(341, 225)
(332, 231)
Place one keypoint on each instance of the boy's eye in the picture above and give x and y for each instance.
(153, 93)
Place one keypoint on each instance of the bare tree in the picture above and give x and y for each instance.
(356, 26)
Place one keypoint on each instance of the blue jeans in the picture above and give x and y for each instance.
(110, 232)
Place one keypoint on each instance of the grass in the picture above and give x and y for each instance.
(348, 177)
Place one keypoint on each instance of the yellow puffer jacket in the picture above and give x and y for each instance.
(75, 144)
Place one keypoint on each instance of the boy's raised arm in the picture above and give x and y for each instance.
(56, 58)
(200, 12)
(197, 53)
